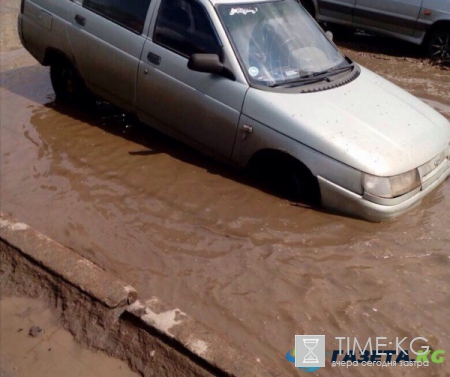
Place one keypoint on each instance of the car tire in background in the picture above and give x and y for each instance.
(437, 42)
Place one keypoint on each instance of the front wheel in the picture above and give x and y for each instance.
(438, 43)
(302, 186)
(66, 82)
(285, 177)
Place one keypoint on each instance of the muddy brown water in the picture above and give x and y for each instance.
(193, 232)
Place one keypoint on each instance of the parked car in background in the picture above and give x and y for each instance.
(422, 22)
(252, 83)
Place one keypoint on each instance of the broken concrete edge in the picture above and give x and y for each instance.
(188, 343)
(66, 264)
(192, 338)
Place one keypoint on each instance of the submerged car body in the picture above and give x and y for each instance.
(236, 79)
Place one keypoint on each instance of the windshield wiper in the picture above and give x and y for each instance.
(300, 80)
(334, 71)
(313, 78)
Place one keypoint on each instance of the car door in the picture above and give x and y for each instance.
(340, 11)
(201, 109)
(393, 16)
(106, 39)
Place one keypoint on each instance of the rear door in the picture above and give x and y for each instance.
(201, 109)
(106, 37)
(394, 16)
(340, 11)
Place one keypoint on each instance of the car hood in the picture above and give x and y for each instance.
(369, 124)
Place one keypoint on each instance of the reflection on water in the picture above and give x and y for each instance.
(180, 226)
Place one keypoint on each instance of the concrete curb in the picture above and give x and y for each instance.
(66, 264)
(103, 312)
(198, 341)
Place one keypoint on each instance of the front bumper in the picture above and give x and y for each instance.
(337, 198)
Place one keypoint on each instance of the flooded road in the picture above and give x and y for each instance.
(193, 232)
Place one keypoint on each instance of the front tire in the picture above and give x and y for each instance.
(284, 176)
(301, 185)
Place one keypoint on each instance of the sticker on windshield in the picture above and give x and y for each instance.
(243, 11)
(291, 73)
(253, 71)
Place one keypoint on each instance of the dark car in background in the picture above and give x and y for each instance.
(422, 22)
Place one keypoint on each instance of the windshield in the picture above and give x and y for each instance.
(278, 42)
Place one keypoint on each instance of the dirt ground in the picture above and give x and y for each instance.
(180, 226)
(32, 343)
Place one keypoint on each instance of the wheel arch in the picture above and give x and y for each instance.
(269, 160)
(53, 55)
(267, 153)
(311, 6)
(440, 24)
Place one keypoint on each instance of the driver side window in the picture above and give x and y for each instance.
(184, 27)
(129, 14)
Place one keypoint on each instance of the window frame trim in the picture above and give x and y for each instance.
(84, 6)
(210, 21)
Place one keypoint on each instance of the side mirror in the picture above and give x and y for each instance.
(329, 35)
(209, 63)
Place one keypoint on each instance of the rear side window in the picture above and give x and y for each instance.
(127, 13)
(184, 27)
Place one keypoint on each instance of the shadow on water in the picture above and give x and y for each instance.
(113, 120)
(32, 83)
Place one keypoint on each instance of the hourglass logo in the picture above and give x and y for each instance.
(310, 351)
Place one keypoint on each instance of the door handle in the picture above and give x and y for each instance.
(80, 20)
(153, 58)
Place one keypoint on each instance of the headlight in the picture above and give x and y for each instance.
(391, 187)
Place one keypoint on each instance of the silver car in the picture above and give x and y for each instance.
(252, 83)
(422, 22)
